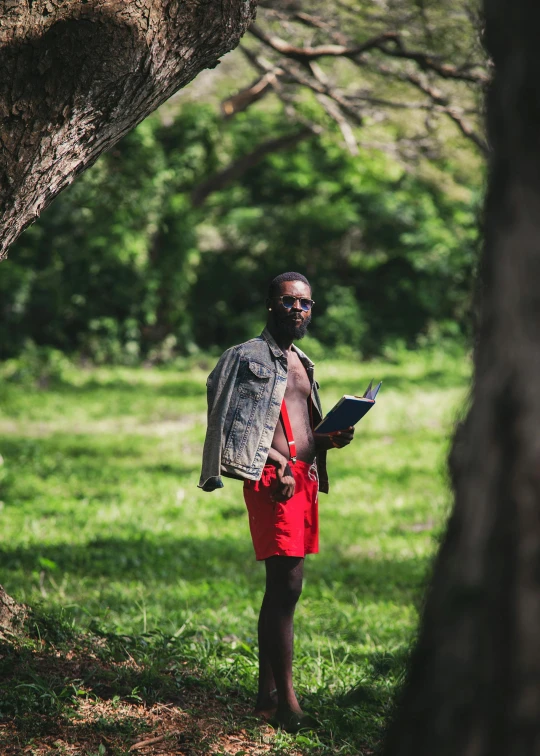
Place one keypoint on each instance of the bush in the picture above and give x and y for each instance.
(36, 366)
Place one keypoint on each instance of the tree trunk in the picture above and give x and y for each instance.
(473, 687)
(12, 615)
(76, 75)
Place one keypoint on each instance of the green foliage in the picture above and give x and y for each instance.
(36, 366)
(123, 267)
(101, 517)
(343, 324)
(382, 248)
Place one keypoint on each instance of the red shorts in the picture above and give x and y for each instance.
(286, 528)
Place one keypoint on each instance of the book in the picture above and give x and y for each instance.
(348, 411)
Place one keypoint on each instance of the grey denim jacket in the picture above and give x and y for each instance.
(245, 391)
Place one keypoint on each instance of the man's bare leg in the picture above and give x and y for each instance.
(267, 700)
(283, 588)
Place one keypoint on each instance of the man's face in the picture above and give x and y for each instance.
(293, 322)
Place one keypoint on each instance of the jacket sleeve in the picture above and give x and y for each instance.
(220, 388)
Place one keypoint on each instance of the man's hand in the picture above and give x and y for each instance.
(285, 483)
(336, 440)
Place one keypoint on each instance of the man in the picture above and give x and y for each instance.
(263, 404)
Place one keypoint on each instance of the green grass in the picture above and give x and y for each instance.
(101, 518)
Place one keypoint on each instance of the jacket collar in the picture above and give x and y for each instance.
(267, 336)
(303, 356)
(277, 351)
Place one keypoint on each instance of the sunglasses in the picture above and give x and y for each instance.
(288, 302)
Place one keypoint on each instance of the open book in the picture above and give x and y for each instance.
(348, 411)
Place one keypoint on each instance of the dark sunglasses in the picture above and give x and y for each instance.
(288, 302)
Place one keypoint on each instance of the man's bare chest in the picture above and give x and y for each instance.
(297, 379)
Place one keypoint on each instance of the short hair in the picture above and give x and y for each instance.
(275, 283)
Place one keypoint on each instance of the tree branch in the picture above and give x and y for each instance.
(265, 66)
(322, 88)
(428, 62)
(389, 43)
(298, 64)
(334, 111)
(237, 168)
(246, 97)
(443, 106)
(77, 76)
(304, 54)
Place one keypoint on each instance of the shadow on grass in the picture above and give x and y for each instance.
(92, 688)
(157, 560)
(183, 387)
(359, 717)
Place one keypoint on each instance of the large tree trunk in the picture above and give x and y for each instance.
(474, 683)
(76, 75)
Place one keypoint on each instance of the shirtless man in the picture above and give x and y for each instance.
(282, 498)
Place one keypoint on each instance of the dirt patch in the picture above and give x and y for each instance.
(165, 730)
(98, 719)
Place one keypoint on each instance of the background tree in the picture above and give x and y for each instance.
(84, 74)
(366, 63)
(78, 76)
(474, 683)
(119, 265)
(403, 77)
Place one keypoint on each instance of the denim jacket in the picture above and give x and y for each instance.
(245, 391)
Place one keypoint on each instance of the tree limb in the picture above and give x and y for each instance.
(303, 54)
(321, 88)
(443, 106)
(389, 43)
(240, 101)
(333, 110)
(428, 62)
(237, 168)
(77, 76)
(298, 65)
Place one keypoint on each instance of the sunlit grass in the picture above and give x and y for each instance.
(101, 515)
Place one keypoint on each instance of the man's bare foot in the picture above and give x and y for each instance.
(266, 706)
(265, 714)
(293, 721)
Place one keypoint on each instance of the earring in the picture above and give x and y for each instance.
(269, 309)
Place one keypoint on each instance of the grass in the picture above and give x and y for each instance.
(152, 586)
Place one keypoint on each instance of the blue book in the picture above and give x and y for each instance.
(348, 411)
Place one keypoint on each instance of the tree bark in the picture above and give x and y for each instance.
(78, 74)
(473, 687)
(12, 615)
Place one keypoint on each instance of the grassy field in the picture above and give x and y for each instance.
(104, 530)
